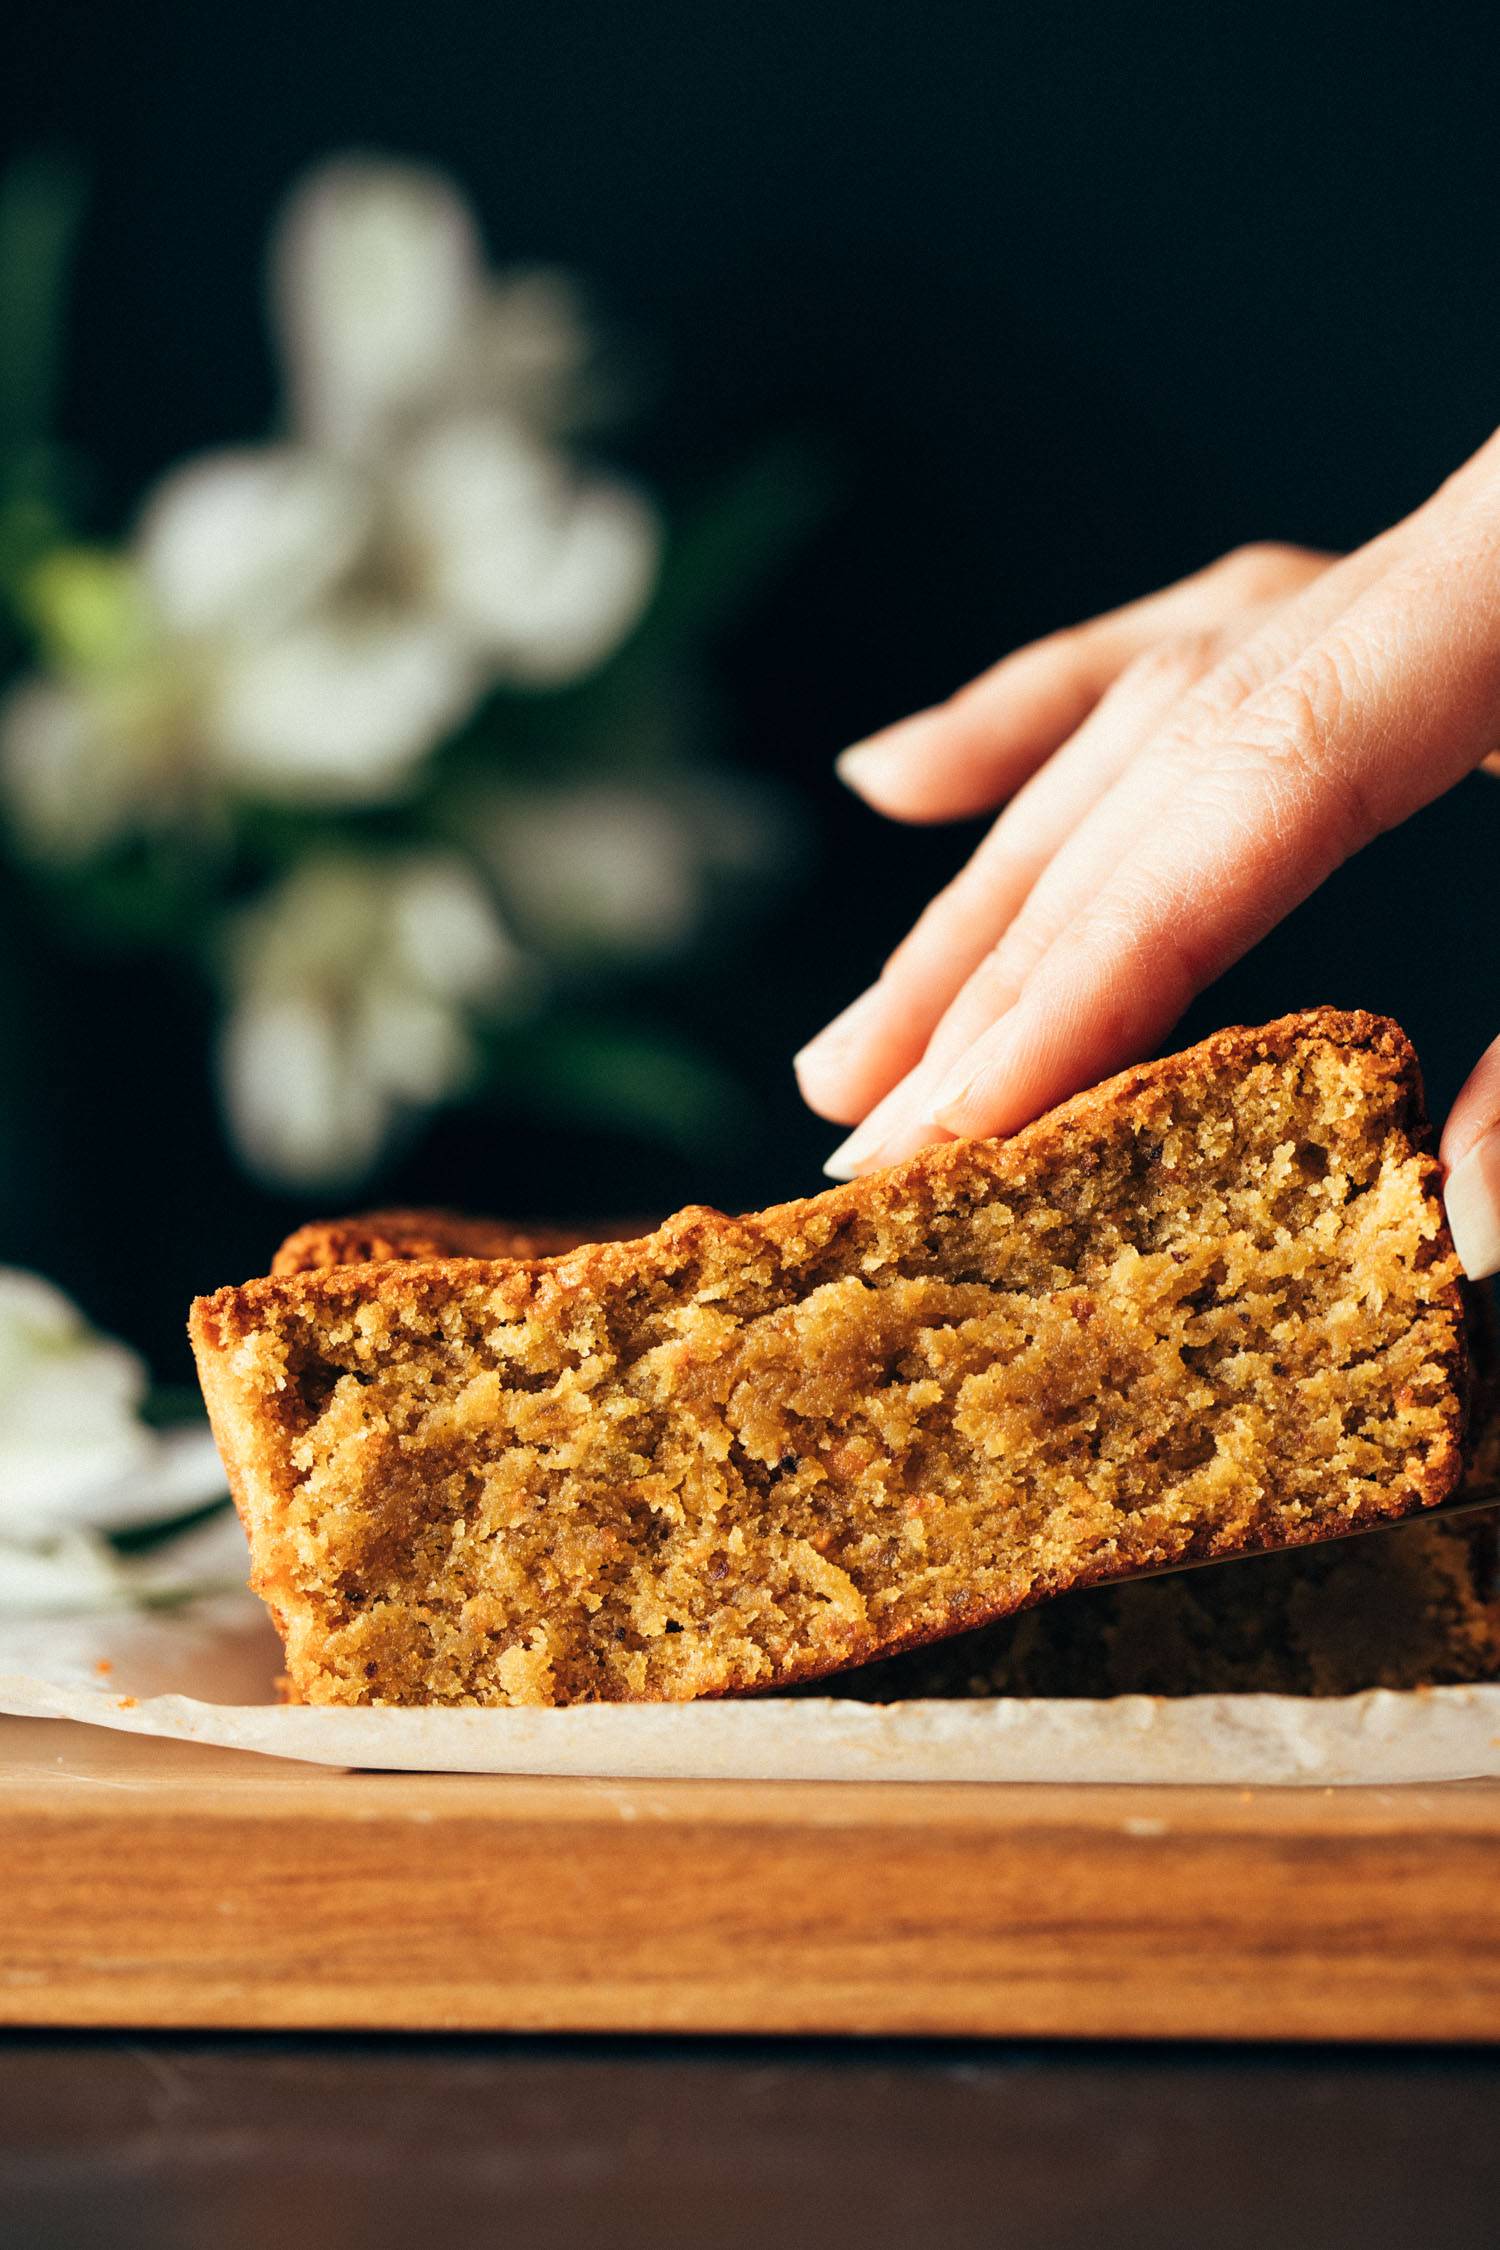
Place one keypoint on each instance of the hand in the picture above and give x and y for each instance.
(1180, 773)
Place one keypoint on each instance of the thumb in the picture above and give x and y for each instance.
(1471, 1157)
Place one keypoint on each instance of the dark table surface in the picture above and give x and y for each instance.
(161, 2142)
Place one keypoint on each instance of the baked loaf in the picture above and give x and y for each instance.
(1209, 1308)
(1415, 1604)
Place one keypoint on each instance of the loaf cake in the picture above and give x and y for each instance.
(1415, 1604)
(1207, 1309)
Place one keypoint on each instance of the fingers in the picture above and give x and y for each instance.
(907, 1118)
(867, 1050)
(1174, 695)
(1471, 1153)
(1376, 720)
(1147, 857)
(969, 754)
(859, 1060)
(1144, 802)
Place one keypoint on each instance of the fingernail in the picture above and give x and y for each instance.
(860, 760)
(892, 1132)
(955, 1095)
(852, 1156)
(1472, 1196)
(836, 1037)
(864, 766)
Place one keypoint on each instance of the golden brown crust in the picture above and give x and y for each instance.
(803, 1247)
(407, 1237)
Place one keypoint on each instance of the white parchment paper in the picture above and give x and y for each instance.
(205, 1671)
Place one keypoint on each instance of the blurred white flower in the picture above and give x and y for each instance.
(76, 1458)
(387, 314)
(542, 576)
(80, 768)
(620, 868)
(355, 988)
(246, 541)
(310, 618)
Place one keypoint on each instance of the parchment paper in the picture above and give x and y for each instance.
(205, 1671)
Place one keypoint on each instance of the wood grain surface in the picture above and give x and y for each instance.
(153, 1883)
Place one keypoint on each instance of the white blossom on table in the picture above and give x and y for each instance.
(77, 1458)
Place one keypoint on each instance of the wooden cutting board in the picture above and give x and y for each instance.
(154, 1883)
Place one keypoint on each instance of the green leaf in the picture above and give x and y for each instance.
(41, 203)
(583, 1071)
(87, 608)
(724, 549)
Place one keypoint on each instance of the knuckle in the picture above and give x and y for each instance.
(1263, 568)
(1168, 666)
(1152, 963)
(1173, 954)
(1303, 735)
(1312, 706)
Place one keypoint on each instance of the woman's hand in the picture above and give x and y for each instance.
(1180, 774)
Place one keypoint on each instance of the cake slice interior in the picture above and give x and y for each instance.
(1210, 1308)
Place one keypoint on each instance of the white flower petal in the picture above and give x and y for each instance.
(597, 868)
(480, 487)
(78, 1572)
(69, 1411)
(302, 1111)
(71, 780)
(446, 934)
(79, 1575)
(544, 573)
(318, 930)
(339, 710)
(411, 1044)
(525, 351)
(602, 570)
(355, 980)
(375, 271)
(241, 542)
(182, 1472)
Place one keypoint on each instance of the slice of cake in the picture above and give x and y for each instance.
(1413, 1604)
(1206, 1309)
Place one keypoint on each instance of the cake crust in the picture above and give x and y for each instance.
(412, 1237)
(1160, 1324)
